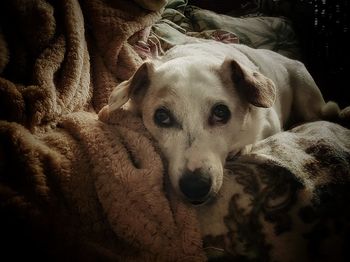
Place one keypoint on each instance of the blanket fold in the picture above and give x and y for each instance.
(105, 180)
(48, 71)
(73, 187)
(110, 24)
(45, 51)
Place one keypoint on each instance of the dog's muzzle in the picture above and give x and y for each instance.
(196, 186)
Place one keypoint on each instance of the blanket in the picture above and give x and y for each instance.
(91, 190)
(180, 20)
(71, 187)
(284, 199)
(47, 52)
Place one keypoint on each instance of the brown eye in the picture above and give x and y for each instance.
(220, 114)
(162, 118)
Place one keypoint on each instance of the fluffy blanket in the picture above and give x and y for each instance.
(62, 57)
(91, 190)
(72, 187)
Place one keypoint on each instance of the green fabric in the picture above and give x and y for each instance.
(272, 33)
(180, 21)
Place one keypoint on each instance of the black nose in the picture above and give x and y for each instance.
(195, 185)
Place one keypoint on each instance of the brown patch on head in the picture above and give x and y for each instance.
(140, 81)
(164, 96)
(164, 92)
(257, 89)
(135, 88)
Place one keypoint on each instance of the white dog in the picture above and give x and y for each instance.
(204, 101)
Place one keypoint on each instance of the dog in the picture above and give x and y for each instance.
(204, 102)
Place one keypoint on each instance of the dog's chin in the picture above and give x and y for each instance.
(208, 200)
(199, 202)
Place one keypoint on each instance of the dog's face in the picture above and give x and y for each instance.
(196, 111)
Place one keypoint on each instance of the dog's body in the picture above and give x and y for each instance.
(204, 101)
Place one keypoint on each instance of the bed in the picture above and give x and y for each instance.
(79, 184)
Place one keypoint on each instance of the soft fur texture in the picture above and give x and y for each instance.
(264, 92)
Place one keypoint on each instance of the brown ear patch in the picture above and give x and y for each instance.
(134, 88)
(140, 81)
(259, 90)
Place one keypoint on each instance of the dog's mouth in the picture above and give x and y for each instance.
(199, 201)
(205, 201)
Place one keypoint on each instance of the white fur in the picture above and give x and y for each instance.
(191, 78)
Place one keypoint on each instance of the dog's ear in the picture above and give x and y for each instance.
(259, 90)
(134, 88)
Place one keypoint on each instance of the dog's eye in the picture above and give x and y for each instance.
(220, 114)
(163, 118)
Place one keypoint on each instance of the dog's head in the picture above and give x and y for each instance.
(197, 112)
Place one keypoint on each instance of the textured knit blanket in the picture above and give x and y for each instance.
(91, 190)
(72, 187)
(65, 56)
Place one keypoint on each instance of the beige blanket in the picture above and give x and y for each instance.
(65, 56)
(72, 187)
(95, 188)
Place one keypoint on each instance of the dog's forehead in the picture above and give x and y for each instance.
(185, 86)
(187, 94)
(181, 76)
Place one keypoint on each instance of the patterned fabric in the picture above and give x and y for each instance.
(283, 199)
(236, 8)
